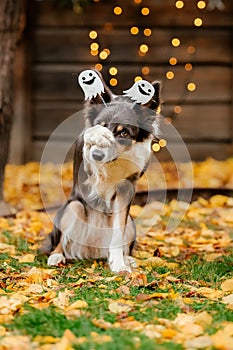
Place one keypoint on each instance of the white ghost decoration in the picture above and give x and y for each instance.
(91, 84)
(141, 92)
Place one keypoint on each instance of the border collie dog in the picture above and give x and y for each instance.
(110, 155)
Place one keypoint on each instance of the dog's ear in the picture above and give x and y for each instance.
(154, 103)
(94, 87)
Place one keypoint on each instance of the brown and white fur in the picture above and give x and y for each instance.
(110, 155)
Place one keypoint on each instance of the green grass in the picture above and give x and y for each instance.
(198, 269)
(50, 322)
(19, 242)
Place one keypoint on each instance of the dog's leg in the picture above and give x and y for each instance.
(116, 249)
(56, 256)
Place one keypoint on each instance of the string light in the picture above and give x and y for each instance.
(94, 46)
(99, 66)
(191, 50)
(179, 4)
(162, 143)
(145, 70)
(93, 34)
(137, 1)
(113, 70)
(201, 5)
(175, 42)
(191, 86)
(177, 109)
(137, 78)
(173, 61)
(94, 52)
(103, 55)
(117, 10)
(188, 67)
(134, 30)
(113, 81)
(144, 48)
(156, 147)
(198, 22)
(170, 75)
(107, 51)
(145, 11)
(141, 54)
(147, 32)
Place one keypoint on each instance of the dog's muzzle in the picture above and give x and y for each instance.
(98, 155)
(102, 154)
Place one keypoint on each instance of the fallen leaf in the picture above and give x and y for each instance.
(25, 258)
(201, 342)
(101, 323)
(118, 307)
(209, 293)
(62, 301)
(78, 304)
(203, 319)
(222, 340)
(228, 299)
(227, 285)
(99, 339)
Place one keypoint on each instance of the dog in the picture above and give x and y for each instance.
(111, 154)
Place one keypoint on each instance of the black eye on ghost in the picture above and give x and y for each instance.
(89, 82)
(142, 91)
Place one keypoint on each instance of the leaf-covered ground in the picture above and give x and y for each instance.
(179, 297)
(33, 186)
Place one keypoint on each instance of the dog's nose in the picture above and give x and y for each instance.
(98, 155)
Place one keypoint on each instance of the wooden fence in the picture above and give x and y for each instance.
(57, 43)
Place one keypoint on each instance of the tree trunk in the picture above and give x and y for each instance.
(9, 29)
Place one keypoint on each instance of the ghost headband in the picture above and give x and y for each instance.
(141, 92)
(91, 83)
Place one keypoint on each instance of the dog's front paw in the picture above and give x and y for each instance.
(99, 136)
(56, 259)
(116, 268)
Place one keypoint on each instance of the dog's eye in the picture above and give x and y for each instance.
(124, 133)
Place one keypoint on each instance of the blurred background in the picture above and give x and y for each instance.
(187, 45)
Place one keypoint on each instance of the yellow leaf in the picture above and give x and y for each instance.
(78, 304)
(222, 341)
(201, 342)
(135, 210)
(25, 258)
(99, 339)
(227, 285)
(218, 200)
(18, 342)
(210, 293)
(101, 323)
(2, 331)
(66, 341)
(62, 301)
(117, 307)
(228, 299)
(169, 333)
(47, 339)
(203, 319)
(7, 248)
(153, 331)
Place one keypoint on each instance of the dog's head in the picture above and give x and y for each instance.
(135, 112)
(131, 118)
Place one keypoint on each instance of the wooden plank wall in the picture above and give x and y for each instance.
(58, 45)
